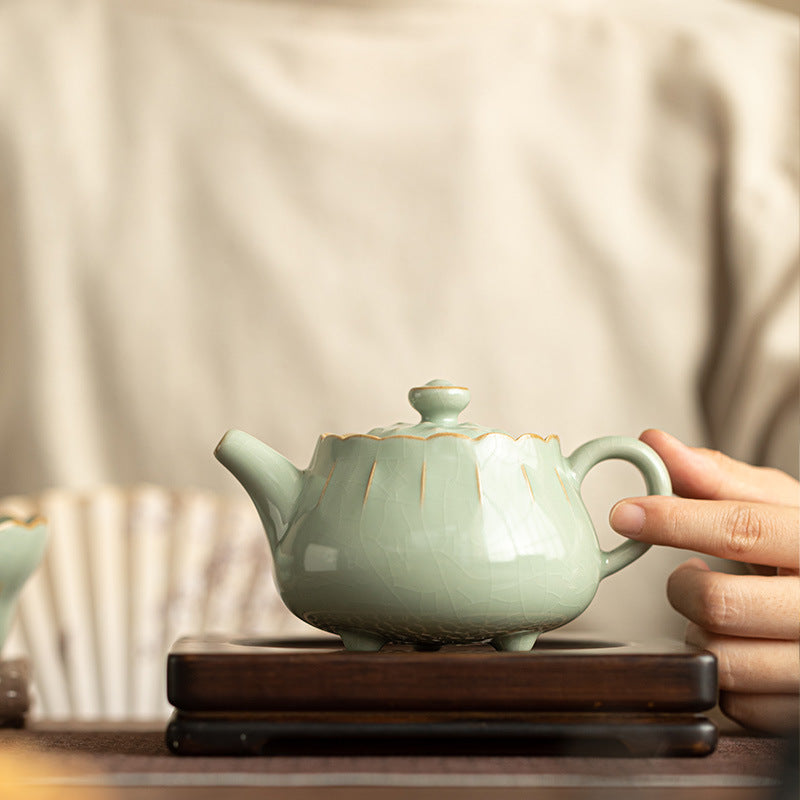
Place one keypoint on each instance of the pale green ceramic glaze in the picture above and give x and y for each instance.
(436, 532)
(22, 545)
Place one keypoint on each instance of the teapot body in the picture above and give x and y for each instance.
(438, 540)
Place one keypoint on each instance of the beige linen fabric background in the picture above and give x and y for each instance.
(279, 215)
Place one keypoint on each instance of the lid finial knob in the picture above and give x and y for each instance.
(439, 402)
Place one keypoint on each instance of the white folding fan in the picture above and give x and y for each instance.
(126, 573)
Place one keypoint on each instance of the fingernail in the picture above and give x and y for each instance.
(627, 518)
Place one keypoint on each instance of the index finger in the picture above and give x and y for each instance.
(760, 533)
(710, 475)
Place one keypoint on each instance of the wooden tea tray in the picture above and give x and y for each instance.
(245, 695)
(562, 673)
(639, 735)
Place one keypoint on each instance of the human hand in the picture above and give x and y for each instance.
(751, 622)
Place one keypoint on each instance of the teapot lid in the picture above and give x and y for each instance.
(439, 403)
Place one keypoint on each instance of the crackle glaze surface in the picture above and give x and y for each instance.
(439, 540)
(22, 545)
(437, 532)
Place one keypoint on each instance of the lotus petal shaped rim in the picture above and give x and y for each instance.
(343, 437)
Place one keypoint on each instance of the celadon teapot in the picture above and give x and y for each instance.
(436, 532)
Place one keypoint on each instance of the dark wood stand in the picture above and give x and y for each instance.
(569, 695)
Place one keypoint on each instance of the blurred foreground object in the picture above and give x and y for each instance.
(22, 545)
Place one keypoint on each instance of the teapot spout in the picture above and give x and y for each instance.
(271, 480)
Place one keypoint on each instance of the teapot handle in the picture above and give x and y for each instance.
(646, 460)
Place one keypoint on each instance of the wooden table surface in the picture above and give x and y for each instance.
(127, 762)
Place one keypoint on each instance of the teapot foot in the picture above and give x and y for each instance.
(362, 641)
(515, 642)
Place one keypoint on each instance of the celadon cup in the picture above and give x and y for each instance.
(437, 531)
(22, 546)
